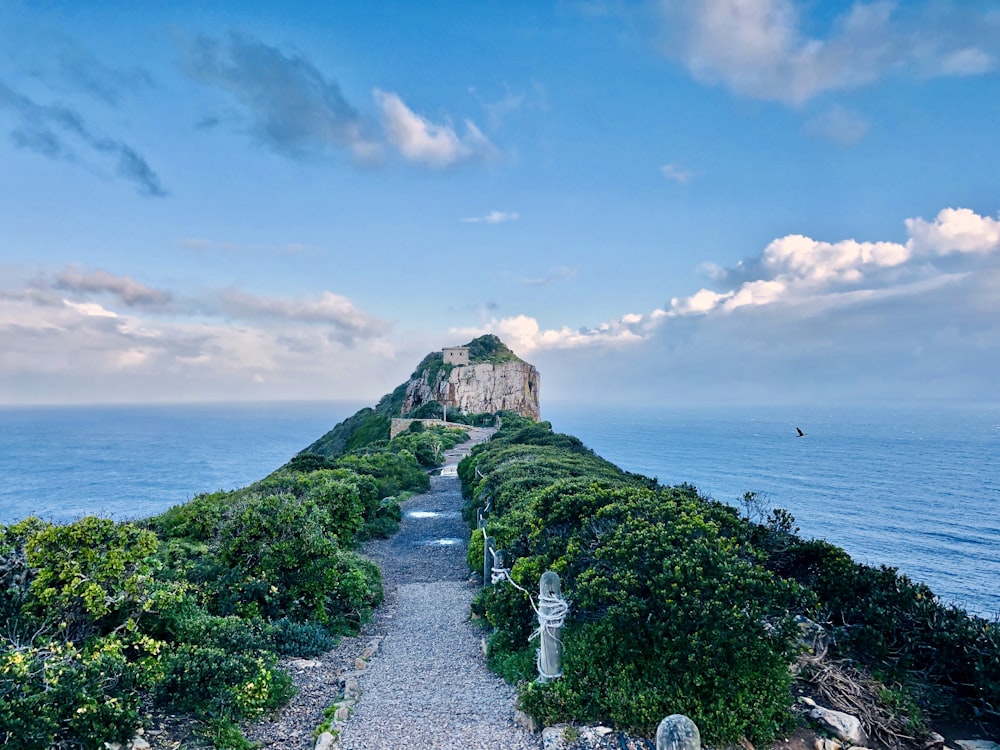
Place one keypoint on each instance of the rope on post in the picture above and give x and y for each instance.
(551, 609)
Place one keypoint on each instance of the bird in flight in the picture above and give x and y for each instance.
(801, 433)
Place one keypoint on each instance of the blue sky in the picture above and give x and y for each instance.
(678, 202)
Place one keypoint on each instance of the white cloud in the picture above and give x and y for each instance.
(816, 277)
(424, 142)
(524, 334)
(799, 267)
(90, 309)
(702, 301)
(493, 217)
(954, 230)
(760, 49)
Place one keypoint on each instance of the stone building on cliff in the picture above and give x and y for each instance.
(484, 376)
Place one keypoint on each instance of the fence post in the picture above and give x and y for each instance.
(677, 732)
(551, 610)
(489, 547)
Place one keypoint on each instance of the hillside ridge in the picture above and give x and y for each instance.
(490, 379)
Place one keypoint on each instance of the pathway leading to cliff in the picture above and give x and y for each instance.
(429, 687)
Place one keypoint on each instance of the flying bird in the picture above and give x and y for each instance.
(801, 433)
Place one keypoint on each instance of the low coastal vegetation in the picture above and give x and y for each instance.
(680, 604)
(188, 612)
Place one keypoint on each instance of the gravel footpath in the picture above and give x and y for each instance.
(428, 686)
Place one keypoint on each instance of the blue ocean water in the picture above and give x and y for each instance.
(918, 489)
(914, 488)
(124, 462)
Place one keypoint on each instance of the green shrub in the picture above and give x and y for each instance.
(670, 612)
(92, 575)
(211, 683)
(385, 521)
(196, 519)
(284, 563)
(394, 473)
(304, 639)
(55, 694)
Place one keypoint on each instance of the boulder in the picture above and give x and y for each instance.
(678, 732)
(846, 727)
(524, 719)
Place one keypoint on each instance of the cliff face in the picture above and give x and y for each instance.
(484, 387)
(484, 376)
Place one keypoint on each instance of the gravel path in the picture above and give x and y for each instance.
(428, 686)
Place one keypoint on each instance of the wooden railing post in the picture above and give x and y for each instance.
(677, 732)
(551, 610)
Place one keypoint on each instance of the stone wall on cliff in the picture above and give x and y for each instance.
(483, 387)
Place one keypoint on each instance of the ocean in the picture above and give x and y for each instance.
(127, 462)
(915, 488)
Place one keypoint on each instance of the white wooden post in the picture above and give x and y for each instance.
(551, 609)
(677, 732)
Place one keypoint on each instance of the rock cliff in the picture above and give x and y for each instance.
(484, 376)
(478, 387)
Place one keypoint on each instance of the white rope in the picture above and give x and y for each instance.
(551, 610)
(552, 617)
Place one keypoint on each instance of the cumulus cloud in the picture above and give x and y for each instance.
(799, 267)
(525, 334)
(813, 277)
(493, 217)
(422, 141)
(954, 230)
(58, 132)
(760, 48)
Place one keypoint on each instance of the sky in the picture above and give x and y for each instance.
(674, 202)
